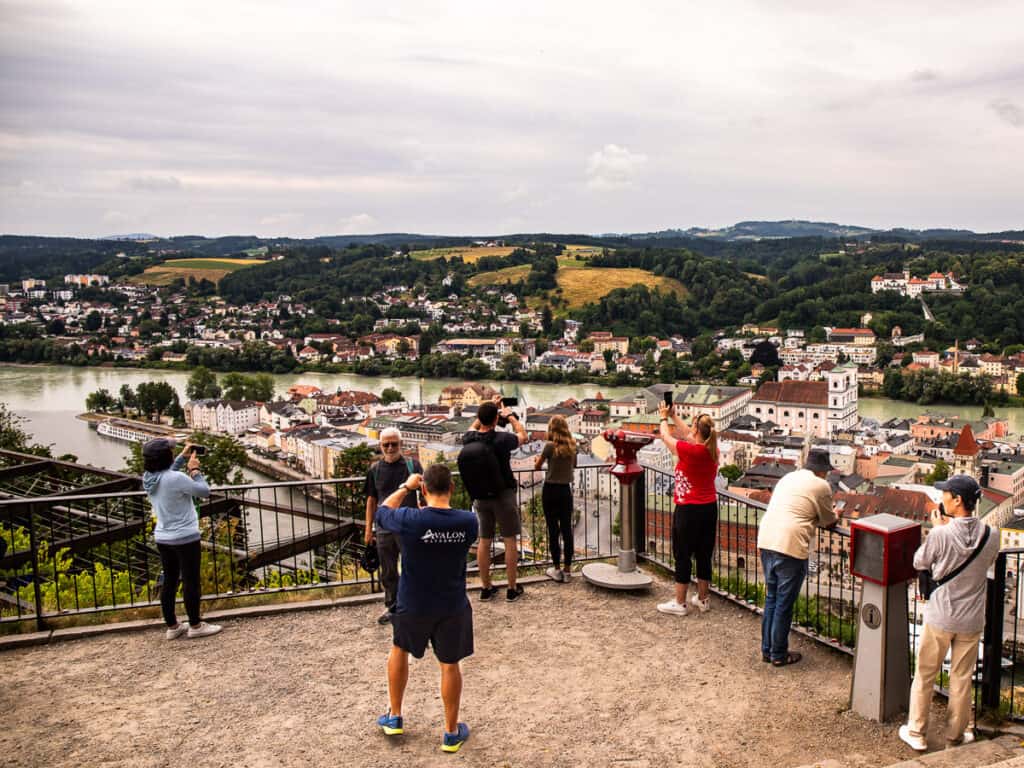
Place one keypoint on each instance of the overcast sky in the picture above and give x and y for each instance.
(314, 118)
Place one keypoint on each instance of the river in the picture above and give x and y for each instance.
(49, 398)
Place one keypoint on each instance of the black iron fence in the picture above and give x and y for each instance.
(89, 553)
(826, 610)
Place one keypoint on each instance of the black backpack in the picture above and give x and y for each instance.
(480, 468)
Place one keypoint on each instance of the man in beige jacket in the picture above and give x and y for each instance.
(801, 500)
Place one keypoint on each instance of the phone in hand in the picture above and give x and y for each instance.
(509, 402)
(668, 398)
(198, 450)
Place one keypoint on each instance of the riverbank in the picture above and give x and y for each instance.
(50, 397)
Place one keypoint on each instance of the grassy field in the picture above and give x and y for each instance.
(469, 255)
(499, 276)
(581, 285)
(197, 269)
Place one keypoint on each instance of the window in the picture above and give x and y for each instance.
(801, 414)
(786, 414)
(835, 403)
(771, 411)
(815, 415)
(757, 410)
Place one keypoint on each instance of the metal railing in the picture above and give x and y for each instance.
(93, 553)
(826, 610)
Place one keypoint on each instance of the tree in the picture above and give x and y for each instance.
(391, 395)
(766, 354)
(100, 401)
(93, 321)
(55, 327)
(238, 386)
(127, 399)
(1020, 384)
(939, 473)
(14, 438)
(354, 461)
(202, 385)
(511, 364)
(156, 398)
(731, 472)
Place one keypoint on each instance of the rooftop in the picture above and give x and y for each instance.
(628, 685)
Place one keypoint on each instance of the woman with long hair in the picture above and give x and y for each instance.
(556, 496)
(695, 518)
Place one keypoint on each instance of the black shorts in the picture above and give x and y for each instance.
(450, 636)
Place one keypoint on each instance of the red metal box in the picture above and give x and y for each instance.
(882, 548)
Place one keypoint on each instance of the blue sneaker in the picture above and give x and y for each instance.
(452, 741)
(390, 724)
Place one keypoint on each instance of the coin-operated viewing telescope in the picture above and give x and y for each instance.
(882, 554)
(627, 471)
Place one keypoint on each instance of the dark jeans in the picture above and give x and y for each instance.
(693, 536)
(783, 577)
(180, 563)
(388, 548)
(557, 503)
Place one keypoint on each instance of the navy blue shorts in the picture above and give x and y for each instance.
(450, 636)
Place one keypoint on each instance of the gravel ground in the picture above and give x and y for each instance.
(568, 676)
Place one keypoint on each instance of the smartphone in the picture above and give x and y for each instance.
(198, 450)
(668, 398)
(510, 402)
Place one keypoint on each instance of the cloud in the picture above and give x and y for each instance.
(613, 167)
(1008, 112)
(924, 75)
(154, 183)
(358, 224)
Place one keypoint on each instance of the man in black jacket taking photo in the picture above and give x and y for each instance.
(485, 464)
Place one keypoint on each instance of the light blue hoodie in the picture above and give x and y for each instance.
(170, 493)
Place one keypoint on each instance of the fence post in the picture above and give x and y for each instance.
(640, 516)
(991, 667)
(33, 545)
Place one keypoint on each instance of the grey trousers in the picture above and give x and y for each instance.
(389, 550)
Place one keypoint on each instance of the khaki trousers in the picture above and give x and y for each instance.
(930, 655)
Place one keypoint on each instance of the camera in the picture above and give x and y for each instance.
(507, 402)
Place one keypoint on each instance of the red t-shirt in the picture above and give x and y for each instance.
(695, 474)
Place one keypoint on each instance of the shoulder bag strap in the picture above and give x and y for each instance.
(977, 551)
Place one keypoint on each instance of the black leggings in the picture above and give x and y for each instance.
(557, 503)
(693, 535)
(180, 562)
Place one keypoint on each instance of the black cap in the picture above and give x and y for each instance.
(818, 461)
(157, 447)
(964, 486)
(369, 560)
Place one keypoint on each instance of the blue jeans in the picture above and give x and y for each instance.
(783, 577)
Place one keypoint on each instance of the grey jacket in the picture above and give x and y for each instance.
(171, 495)
(959, 605)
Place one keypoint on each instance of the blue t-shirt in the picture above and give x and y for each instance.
(435, 543)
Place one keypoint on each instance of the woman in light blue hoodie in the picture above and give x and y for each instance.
(171, 494)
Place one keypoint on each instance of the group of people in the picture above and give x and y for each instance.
(409, 517)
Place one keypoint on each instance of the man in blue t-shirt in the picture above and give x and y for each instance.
(432, 605)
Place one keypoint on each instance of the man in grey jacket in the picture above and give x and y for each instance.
(954, 616)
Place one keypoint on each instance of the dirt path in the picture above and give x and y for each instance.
(569, 676)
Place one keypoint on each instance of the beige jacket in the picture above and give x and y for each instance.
(801, 500)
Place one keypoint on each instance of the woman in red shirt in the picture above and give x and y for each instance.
(696, 514)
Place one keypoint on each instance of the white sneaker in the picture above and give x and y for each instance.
(701, 605)
(203, 630)
(173, 633)
(554, 574)
(967, 738)
(566, 574)
(916, 743)
(678, 609)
